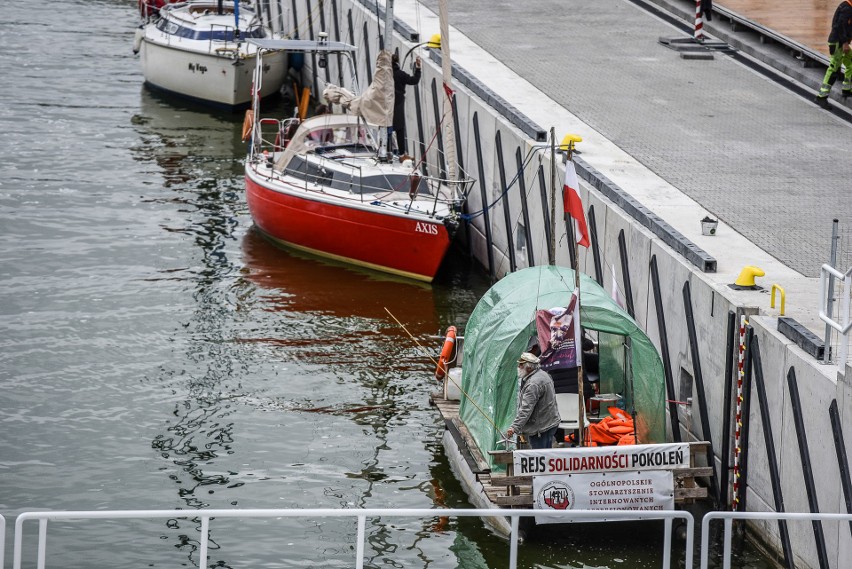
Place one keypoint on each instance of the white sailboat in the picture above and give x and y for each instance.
(199, 50)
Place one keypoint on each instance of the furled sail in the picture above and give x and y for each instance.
(375, 105)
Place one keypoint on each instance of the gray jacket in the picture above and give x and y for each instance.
(536, 408)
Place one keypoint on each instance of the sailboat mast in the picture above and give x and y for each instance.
(447, 76)
(386, 45)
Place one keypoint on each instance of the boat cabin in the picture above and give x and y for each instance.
(338, 151)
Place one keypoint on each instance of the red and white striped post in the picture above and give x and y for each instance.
(738, 428)
(699, 23)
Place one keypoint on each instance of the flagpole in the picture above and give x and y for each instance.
(581, 424)
(551, 251)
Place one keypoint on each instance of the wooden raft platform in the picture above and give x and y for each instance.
(507, 491)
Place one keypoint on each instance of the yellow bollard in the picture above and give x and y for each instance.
(772, 298)
(746, 278)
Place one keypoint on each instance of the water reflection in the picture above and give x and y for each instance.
(195, 156)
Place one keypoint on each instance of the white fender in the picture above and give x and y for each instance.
(137, 39)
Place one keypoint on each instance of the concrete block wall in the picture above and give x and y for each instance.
(710, 301)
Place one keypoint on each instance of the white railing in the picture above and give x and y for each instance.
(729, 517)
(2, 541)
(361, 515)
(826, 275)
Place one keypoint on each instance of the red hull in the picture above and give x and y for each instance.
(391, 243)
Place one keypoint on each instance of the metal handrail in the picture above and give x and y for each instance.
(566, 516)
(729, 517)
(826, 273)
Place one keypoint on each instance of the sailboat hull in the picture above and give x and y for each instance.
(208, 77)
(409, 246)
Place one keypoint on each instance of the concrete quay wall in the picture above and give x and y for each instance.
(498, 143)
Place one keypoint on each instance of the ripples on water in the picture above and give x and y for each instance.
(158, 353)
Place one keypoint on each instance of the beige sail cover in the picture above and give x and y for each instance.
(375, 105)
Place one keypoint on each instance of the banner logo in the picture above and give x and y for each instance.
(556, 495)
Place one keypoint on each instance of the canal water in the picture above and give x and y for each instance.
(158, 353)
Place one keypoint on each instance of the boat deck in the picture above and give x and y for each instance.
(509, 491)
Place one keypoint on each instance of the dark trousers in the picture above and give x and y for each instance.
(544, 440)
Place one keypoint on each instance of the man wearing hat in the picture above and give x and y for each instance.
(537, 415)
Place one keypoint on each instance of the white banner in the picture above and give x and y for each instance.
(601, 459)
(649, 490)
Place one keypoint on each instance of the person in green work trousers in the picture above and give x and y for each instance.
(841, 54)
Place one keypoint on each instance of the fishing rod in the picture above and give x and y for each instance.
(504, 437)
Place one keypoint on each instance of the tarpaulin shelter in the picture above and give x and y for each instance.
(500, 328)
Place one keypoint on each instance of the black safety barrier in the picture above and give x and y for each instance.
(368, 58)
(664, 350)
(699, 387)
(336, 22)
(507, 215)
(729, 384)
(322, 29)
(313, 54)
(260, 12)
(522, 186)
(596, 248)
(545, 209)
(569, 232)
(421, 141)
(745, 410)
(631, 206)
(483, 192)
(769, 444)
(842, 460)
(352, 36)
(807, 469)
(625, 274)
(492, 99)
(438, 134)
(460, 175)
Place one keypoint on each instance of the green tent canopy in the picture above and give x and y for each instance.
(501, 326)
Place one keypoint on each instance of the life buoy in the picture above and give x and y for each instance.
(446, 353)
(248, 124)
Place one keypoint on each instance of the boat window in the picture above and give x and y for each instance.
(216, 34)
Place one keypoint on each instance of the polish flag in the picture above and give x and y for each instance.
(573, 204)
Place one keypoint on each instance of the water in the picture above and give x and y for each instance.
(156, 352)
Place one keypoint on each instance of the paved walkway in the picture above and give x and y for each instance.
(766, 161)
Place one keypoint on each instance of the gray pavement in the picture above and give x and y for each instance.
(761, 157)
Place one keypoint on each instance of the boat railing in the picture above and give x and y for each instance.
(728, 519)
(227, 48)
(359, 516)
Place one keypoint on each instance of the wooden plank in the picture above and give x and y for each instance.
(521, 500)
(502, 456)
(695, 471)
(471, 445)
(690, 493)
(806, 21)
(511, 480)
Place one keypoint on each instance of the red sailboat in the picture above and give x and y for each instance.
(329, 186)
